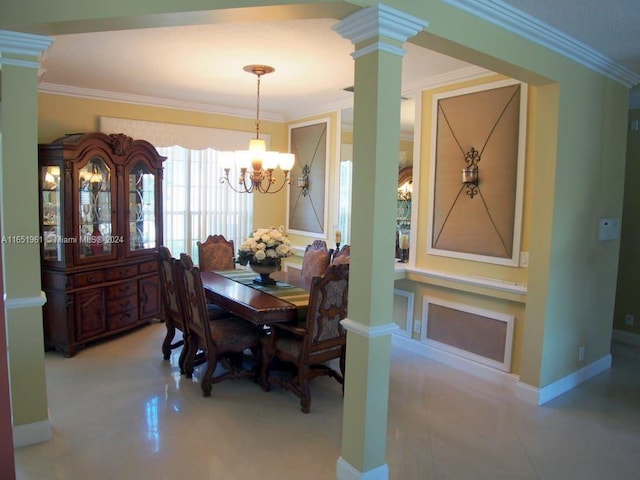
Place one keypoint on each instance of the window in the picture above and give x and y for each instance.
(344, 203)
(196, 204)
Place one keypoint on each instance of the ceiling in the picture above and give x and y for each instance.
(200, 67)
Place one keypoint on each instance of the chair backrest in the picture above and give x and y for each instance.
(341, 256)
(216, 253)
(173, 310)
(193, 299)
(316, 260)
(327, 306)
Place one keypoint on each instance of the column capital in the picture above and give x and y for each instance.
(14, 44)
(379, 20)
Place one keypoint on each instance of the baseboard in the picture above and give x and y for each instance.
(574, 379)
(626, 337)
(455, 361)
(526, 392)
(31, 433)
(346, 471)
(523, 391)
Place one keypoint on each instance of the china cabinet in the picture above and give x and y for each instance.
(403, 213)
(100, 226)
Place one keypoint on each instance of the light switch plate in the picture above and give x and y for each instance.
(608, 229)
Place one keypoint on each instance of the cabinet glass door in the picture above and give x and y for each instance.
(51, 221)
(96, 225)
(142, 211)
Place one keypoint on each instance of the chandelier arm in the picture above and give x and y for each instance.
(287, 181)
(241, 181)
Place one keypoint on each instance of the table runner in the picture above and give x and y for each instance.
(289, 293)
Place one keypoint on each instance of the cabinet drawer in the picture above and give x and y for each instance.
(90, 278)
(123, 289)
(123, 319)
(122, 272)
(122, 304)
(147, 267)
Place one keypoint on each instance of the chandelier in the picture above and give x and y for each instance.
(257, 164)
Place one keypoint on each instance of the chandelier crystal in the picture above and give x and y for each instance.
(257, 164)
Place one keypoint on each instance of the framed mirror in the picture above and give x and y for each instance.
(405, 175)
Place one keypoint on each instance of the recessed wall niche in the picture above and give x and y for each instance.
(307, 208)
(477, 169)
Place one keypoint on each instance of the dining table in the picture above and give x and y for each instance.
(235, 290)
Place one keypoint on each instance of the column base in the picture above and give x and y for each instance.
(31, 433)
(346, 471)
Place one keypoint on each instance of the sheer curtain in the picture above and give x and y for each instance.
(344, 205)
(196, 204)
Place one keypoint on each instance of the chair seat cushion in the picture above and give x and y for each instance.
(291, 346)
(233, 330)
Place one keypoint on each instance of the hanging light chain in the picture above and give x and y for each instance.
(258, 108)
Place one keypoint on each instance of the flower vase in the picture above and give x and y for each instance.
(264, 270)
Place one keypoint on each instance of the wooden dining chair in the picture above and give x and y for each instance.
(222, 340)
(172, 312)
(315, 261)
(311, 345)
(216, 253)
(174, 316)
(342, 255)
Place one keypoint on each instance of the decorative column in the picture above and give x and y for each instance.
(378, 34)
(19, 65)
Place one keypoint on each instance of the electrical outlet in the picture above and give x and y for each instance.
(581, 354)
(416, 326)
(629, 319)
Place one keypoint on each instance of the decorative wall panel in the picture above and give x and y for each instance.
(480, 335)
(307, 208)
(480, 130)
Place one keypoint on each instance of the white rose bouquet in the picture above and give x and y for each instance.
(265, 246)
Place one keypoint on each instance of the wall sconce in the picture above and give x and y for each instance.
(303, 182)
(470, 178)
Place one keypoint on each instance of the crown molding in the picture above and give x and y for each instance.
(524, 25)
(410, 90)
(23, 44)
(20, 43)
(57, 89)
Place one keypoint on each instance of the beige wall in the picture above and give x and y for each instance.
(59, 115)
(331, 193)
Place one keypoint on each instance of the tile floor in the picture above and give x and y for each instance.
(120, 412)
